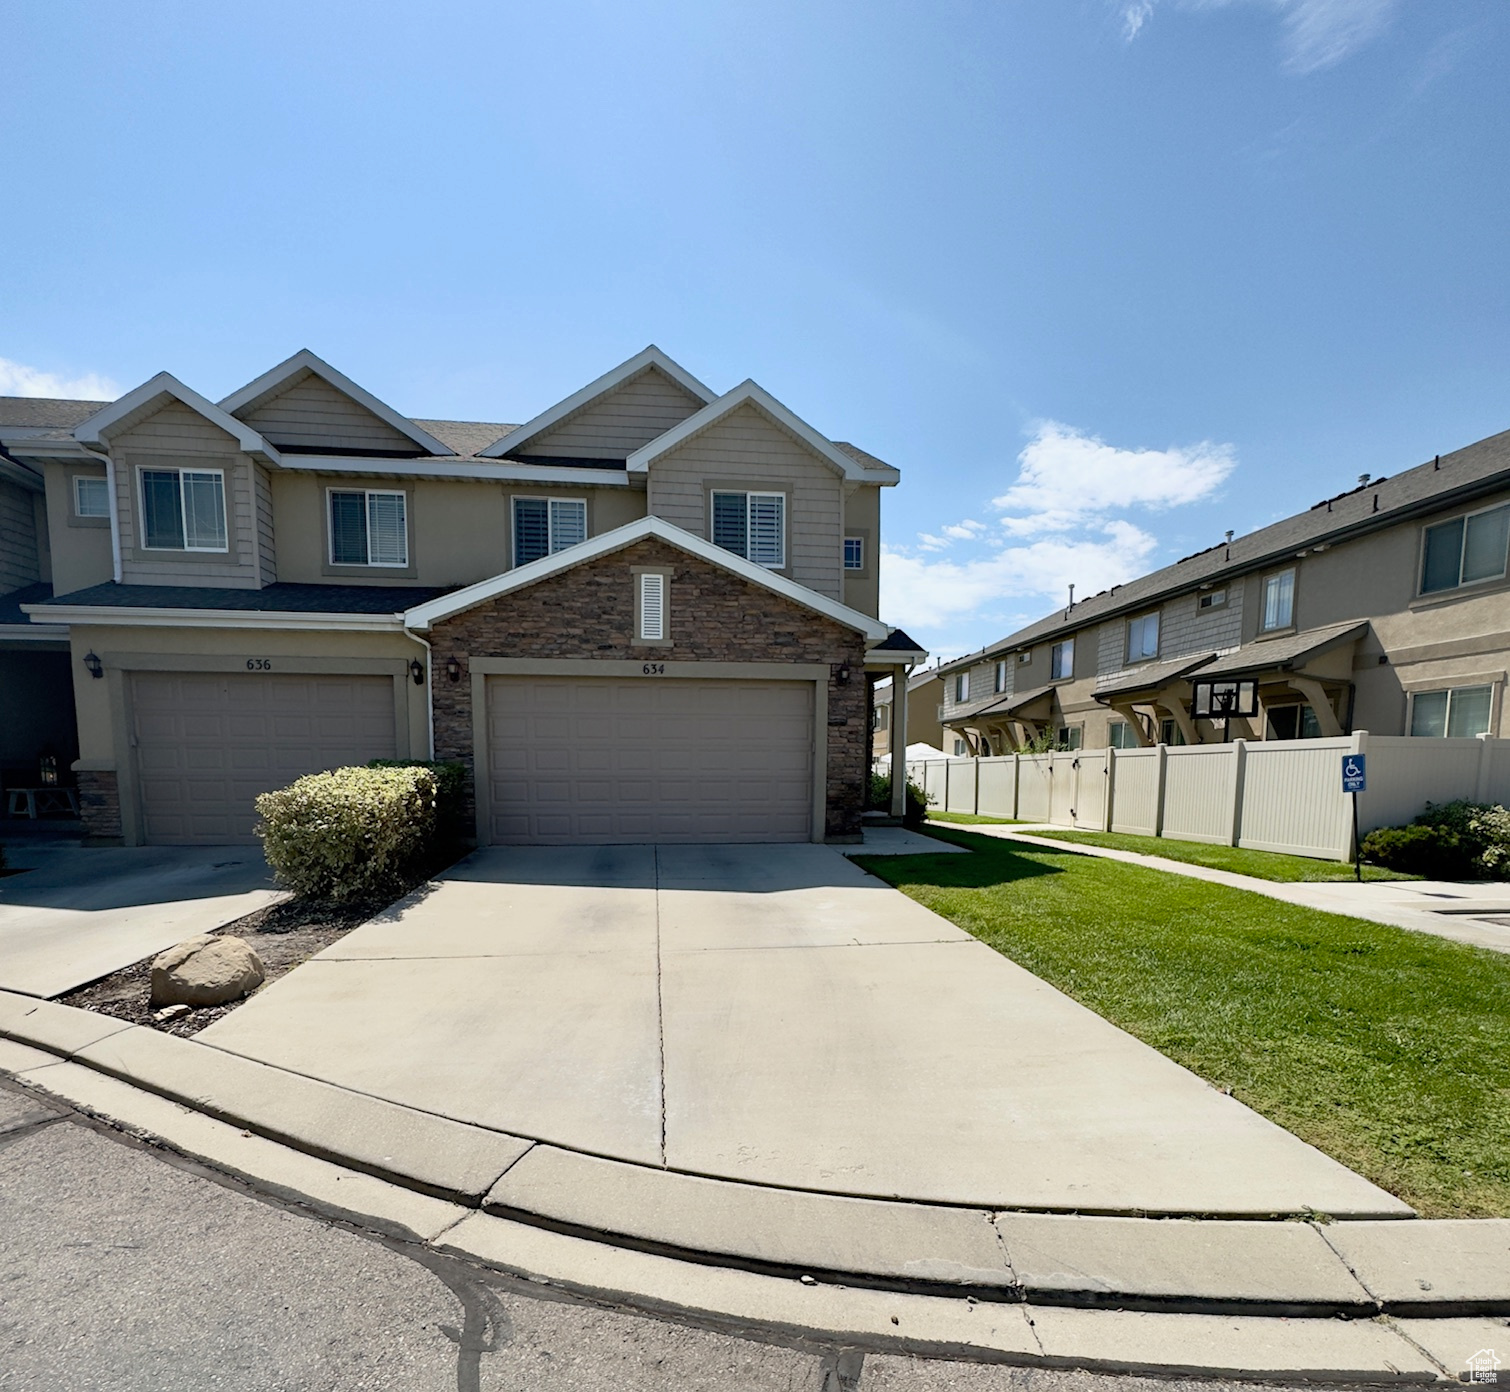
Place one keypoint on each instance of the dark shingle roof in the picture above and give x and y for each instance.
(863, 458)
(1149, 675)
(10, 604)
(898, 641)
(273, 599)
(45, 412)
(1466, 473)
(1293, 650)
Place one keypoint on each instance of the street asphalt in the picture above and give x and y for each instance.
(125, 1270)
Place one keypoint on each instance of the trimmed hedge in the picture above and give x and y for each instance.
(1449, 841)
(917, 800)
(450, 795)
(351, 834)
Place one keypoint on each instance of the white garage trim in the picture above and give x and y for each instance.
(484, 667)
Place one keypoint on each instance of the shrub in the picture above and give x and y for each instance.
(1458, 840)
(450, 796)
(917, 800)
(351, 834)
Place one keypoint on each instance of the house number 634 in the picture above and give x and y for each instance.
(259, 664)
(653, 669)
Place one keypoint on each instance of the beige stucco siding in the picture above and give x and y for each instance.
(312, 413)
(18, 538)
(459, 532)
(615, 425)
(177, 438)
(80, 546)
(747, 451)
(862, 518)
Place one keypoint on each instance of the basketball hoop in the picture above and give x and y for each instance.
(1222, 700)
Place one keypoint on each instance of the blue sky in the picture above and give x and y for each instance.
(1104, 278)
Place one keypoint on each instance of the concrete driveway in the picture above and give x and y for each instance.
(769, 1014)
(76, 915)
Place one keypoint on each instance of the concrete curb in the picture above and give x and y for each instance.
(1358, 1269)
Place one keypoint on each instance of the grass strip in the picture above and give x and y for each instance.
(1386, 1049)
(1262, 865)
(970, 819)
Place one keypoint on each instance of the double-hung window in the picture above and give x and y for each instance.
(1062, 660)
(91, 496)
(961, 687)
(543, 526)
(1460, 712)
(1143, 637)
(752, 525)
(1279, 602)
(368, 527)
(183, 509)
(1000, 683)
(1466, 549)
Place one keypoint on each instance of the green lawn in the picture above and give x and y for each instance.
(970, 819)
(1387, 1049)
(1263, 865)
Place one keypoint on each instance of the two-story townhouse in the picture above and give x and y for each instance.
(646, 614)
(1385, 608)
(925, 694)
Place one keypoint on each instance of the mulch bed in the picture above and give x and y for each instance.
(283, 936)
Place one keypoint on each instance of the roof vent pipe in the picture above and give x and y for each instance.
(1437, 462)
(1363, 480)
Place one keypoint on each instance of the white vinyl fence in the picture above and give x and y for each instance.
(1272, 795)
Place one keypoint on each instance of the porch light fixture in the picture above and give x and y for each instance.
(842, 675)
(453, 668)
(95, 666)
(417, 671)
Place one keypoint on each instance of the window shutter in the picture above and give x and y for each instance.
(568, 523)
(730, 528)
(768, 529)
(532, 537)
(653, 606)
(348, 529)
(388, 541)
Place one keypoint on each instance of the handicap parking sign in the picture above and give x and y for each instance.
(1354, 773)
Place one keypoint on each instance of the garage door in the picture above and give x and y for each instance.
(207, 743)
(578, 760)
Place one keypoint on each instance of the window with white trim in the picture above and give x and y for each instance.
(1279, 602)
(1062, 660)
(752, 525)
(91, 496)
(1143, 637)
(543, 526)
(1212, 599)
(960, 748)
(183, 509)
(652, 625)
(1460, 712)
(1466, 550)
(1069, 736)
(962, 686)
(854, 553)
(1122, 736)
(1000, 683)
(369, 527)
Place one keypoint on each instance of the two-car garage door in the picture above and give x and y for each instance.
(207, 743)
(575, 760)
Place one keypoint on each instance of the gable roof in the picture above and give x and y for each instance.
(646, 358)
(751, 393)
(1448, 481)
(45, 413)
(291, 369)
(140, 401)
(424, 615)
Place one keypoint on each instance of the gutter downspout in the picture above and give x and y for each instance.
(429, 689)
(115, 519)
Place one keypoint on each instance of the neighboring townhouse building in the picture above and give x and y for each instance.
(925, 695)
(1386, 608)
(650, 613)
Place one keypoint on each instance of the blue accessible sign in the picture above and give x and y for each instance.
(1354, 773)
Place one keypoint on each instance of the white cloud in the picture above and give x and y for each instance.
(17, 379)
(1067, 479)
(1316, 33)
(920, 593)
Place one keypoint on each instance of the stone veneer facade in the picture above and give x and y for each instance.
(587, 612)
(100, 806)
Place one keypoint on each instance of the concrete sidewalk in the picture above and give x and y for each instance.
(76, 914)
(1462, 912)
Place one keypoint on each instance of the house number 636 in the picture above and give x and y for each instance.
(259, 664)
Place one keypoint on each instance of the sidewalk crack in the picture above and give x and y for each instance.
(660, 1005)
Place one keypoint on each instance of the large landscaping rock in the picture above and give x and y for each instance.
(205, 970)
